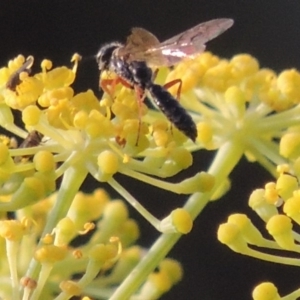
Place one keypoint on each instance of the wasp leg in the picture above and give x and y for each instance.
(141, 94)
(172, 83)
(109, 85)
(154, 74)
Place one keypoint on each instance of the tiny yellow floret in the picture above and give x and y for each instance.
(71, 288)
(292, 207)
(58, 77)
(86, 207)
(34, 186)
(108, 162)
(258, 203)
(115, 212)
(183, 157)
(265, 291)
(160, 137)
(271, 194)
(31, 115)
(12, 230)
(250, 233)
(202, 182)
(44, 161)
(160, 281)
(289, 146)
(288, 83)
(47, 239)
(280, 227)
(283, 168)
(182, 220)
(205, 132)
(103, 253)
(76, 57)
(80, 119)
(285, 185)
(129, 232)
(296, 167)
(229, 234)
(218, 77)
(279, 224)
(64, 232)
(243, 65)
(173, 268)
(46, 64)
(50, 254)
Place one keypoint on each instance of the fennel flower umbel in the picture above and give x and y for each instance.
(239, 110)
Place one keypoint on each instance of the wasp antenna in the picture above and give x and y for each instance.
(87, 58)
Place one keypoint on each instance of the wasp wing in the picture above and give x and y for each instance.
(137, 45)
(141, 40)
(191, 41)
(142, 45)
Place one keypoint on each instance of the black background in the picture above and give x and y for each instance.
(268, 29)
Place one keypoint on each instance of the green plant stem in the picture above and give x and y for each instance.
(72, 180)
(225, 160)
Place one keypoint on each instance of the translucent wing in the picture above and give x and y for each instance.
(143, 45)
(137, 46)
(192, 41)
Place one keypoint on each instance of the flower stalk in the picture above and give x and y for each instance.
(73, 180)
(226, 159)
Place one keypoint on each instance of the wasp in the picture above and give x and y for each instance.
(133, 63)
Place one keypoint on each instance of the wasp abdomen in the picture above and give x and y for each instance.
(175, 113)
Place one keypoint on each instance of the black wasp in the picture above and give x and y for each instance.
(134, 60)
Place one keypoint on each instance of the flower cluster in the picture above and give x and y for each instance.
(69, 136)
(254, 111)
(278, 206)
(239, 109)
(270, 135)
(111, 250)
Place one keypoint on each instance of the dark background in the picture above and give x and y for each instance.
(268, 29)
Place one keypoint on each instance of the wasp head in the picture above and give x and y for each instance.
(105, 53)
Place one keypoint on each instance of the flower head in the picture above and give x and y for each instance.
(69, 136)
(239, 109)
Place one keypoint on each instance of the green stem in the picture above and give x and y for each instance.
(225, 160)
(72, 180)
(12, 249)
(294, 295)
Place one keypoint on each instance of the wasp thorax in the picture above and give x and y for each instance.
(141, 72)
